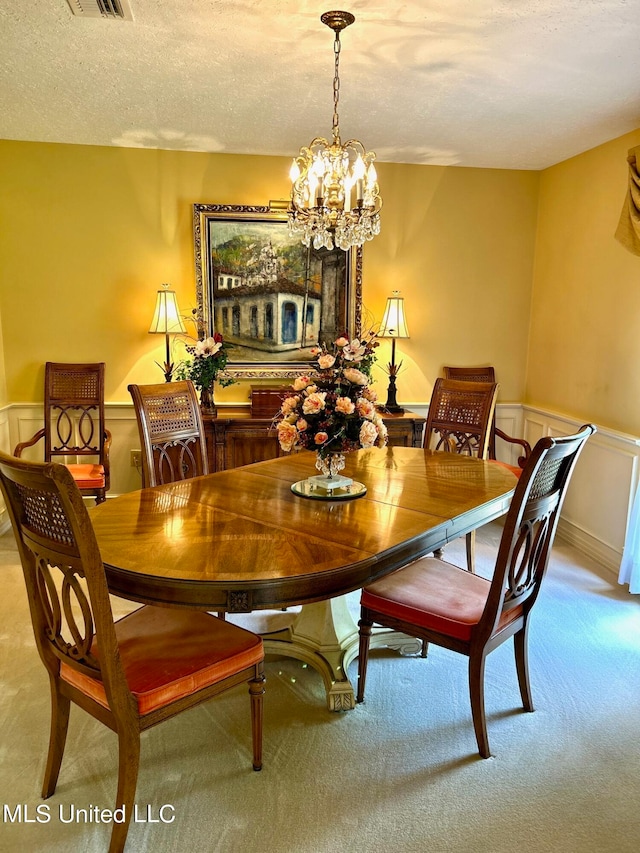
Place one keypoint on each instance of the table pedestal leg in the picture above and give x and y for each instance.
(325, 636)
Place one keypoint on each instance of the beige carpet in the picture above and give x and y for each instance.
(400, 773)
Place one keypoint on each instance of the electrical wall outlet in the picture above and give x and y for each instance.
(136, 459)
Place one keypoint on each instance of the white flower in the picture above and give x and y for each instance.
(368, 434)
(357, 377)
(354, 351)
(209, 346)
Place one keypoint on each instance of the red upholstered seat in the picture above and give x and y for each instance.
(168, 654)
(442, 604)
(74, 425)
(88, 476)
(436, 595)
(147, 667)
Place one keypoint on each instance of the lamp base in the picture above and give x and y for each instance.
(391, 405)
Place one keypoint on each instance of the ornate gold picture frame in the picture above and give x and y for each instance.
(270, 297)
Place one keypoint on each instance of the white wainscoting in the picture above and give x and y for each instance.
(597, 506)
(598, 503)
(596, 510)
(20, 421)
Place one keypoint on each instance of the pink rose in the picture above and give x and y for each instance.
(342, 342)
(368, 434)
(326, 361)
(365, 408)
(345, 405)
(301, 425)
(289, 404)
(314, 403)
(320, 437)
(287, 435)
(301, 382)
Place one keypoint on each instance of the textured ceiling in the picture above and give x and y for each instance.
(517, 84)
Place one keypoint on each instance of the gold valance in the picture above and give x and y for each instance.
(628, 230)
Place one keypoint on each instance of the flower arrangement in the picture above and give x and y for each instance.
(206, 363)
(333, 410)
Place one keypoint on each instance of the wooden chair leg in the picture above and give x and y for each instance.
(520, 646)
(128, 765)
(363, 657)
(60, 707)
(476, 692)
(256, 691)
(471, 551)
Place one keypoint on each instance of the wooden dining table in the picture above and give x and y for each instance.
(242, 542)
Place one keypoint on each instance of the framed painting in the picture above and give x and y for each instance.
(271, 298)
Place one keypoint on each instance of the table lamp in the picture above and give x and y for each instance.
(394, 325)
(166, 321)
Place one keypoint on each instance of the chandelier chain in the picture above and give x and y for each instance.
(336, 89)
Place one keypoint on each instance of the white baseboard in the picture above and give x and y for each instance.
(603, 554)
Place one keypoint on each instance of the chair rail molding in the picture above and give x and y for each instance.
(595, 514)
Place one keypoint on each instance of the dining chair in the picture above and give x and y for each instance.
(74, 425)
(459, 421)
(130, 674)
(488, 374)
(171, 432)
(449, 607)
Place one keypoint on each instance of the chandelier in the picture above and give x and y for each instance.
(334, 195)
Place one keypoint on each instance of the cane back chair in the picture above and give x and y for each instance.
(130, 674)
(459, 421)
(488, 374)
(74, 425)
(446, 606)
(171, 432)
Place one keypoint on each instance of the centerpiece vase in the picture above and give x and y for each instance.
(330, 477)
(330, 466)
(207, 403)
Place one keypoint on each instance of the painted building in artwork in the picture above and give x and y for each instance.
(276, 317)
(262, 309)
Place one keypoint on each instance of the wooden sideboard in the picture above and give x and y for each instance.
(235, 437)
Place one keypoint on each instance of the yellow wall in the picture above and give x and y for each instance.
(88, 234)
(585, 320)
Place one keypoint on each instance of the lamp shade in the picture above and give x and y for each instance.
(394, 323)
(166, 318)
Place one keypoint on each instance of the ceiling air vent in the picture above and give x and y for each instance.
(116, 10)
